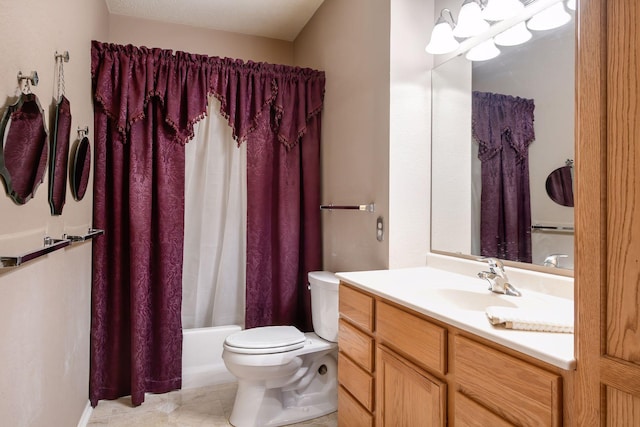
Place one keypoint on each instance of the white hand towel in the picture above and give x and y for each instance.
(531, 320)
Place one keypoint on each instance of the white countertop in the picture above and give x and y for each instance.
(461, 300)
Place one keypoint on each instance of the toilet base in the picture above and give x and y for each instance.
(256, 405)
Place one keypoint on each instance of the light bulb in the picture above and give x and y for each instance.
(552, 17)
(513, 36)
(482, 52)
(442, 40)
(499, 10)
(470, 22)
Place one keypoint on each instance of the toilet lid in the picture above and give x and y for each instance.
(266, 339)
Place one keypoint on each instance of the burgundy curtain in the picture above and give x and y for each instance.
(283, 226)
(503, 127)
(146, 102)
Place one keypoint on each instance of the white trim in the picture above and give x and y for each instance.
(86, 415)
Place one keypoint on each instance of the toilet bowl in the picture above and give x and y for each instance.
(286, 376)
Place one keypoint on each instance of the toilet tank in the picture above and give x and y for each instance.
(324, 304)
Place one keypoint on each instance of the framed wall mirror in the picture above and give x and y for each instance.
(542, 71)
(80, 168)
(559, 185)
(23, 157)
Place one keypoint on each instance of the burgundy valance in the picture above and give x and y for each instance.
(126, 77)
(499, 119)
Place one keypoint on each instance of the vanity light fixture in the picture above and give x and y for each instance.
(552, 17)
(470, 22)
(482, 52)
(499, 10)
(478, 17)
(513, 36)
(442, 40)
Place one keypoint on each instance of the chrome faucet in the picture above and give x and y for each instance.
(497, 278)
(553, 260)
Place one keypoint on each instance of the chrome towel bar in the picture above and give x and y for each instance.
(371, 207)
(553, 228)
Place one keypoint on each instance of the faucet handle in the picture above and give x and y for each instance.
(495, 265)
(553, 260)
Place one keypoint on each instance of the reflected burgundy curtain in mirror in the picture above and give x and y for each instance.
(503, 127)
(146, 102)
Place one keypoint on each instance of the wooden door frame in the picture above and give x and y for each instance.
(590, 208)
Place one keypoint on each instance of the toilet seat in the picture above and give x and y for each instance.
(265, 340)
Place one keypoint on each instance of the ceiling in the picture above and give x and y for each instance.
(278, 19)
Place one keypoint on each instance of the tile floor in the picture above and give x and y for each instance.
(198, 407)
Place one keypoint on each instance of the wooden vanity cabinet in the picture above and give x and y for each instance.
(397, 367)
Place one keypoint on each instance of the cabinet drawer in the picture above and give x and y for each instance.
(357, 307)
(350, 413)
(512, 388)
(469, 414)
(419, 339)
(355, 379)
(356, 344)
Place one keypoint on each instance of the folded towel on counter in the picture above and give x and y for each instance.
(530, 320)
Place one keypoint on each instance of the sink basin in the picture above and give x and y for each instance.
(470, 300)
(473, 296)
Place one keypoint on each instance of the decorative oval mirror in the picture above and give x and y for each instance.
(59, 156)
(23, 157)
(80, 168)
(559, 186)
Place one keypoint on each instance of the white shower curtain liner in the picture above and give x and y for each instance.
(213, 278)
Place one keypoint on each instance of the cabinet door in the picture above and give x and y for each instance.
(406, 395)
(470, 414)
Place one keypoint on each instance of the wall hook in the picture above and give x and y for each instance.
(82, 132)
(31, 79)
(64, 56)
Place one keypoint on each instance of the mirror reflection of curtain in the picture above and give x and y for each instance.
(503, 127)
(213, 275)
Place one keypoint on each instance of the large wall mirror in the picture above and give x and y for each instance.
(540, 71)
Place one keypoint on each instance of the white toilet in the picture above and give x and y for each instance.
(286, 376)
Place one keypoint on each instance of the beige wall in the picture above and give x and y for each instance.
(349, 40)
(375, 130)
(45, 304)
(367, 133)
(142, 32)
